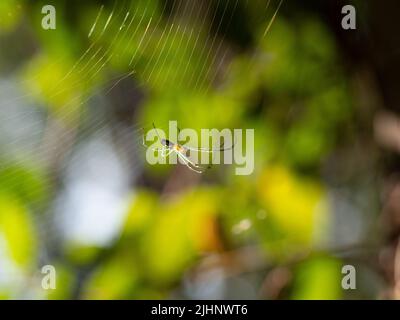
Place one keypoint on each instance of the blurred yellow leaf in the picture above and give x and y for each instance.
(140, 212)
(113, 279)
(81, 254)
(318, 278)
(18, 230)
(296, 205)
(183, 228)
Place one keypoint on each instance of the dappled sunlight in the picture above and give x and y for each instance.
(317, 187)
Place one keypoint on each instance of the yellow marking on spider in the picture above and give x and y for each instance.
(179, 148)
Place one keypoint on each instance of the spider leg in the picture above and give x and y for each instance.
(192, 166)
(153, 149)
(220, 149)
(165, 152)
(189, 166)
(158, 135)
(189, 161)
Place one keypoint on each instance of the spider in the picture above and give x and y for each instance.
(168, 147)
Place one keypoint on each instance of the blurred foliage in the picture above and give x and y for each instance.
(307, 200)
(318, 278)
(10, 14)
(18, 231)
(288, 85)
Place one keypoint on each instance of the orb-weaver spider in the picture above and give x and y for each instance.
(181, 151)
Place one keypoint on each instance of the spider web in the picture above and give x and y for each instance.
(163, 47)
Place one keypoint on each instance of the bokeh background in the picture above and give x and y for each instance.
(77, 193)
